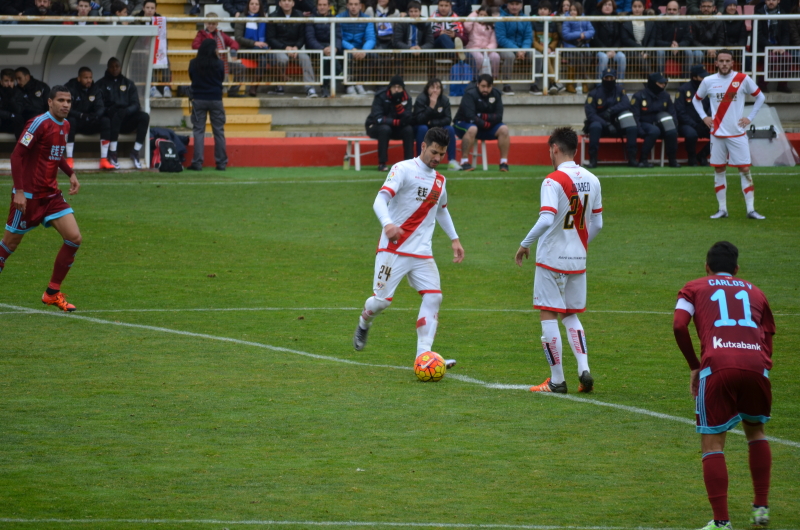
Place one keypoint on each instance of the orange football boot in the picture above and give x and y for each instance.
(105, 164)
(548, 386)
(70, 163)
(58, 300)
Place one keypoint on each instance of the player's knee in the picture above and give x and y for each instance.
(471, 132)
(433, 299)
(381, 303)
(502, 132)
(75, 239)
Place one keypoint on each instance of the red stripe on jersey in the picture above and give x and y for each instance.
(568, 187)
(757, 92)
(719, 188)
(390, 190)
(748, 189)
(727, 99)
(559, 270)
(548, 209)
(698, 96)
(416, 218)
(404, 253)
(421, 322)
(430, 291)
(731, 136)
(558, 310)
(599, 210)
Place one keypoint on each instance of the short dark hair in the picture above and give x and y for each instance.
(84, 68)
(726, 51)
(150, 2)
(565, 138)
(437, 135)
(87, 1)
(7, 72)
(117, 6)
(56, 89)
(723, 257)
(448, 1)
(613, 4)
(578, 7)
(115, 60)
(544, 4)
(413, 4)
(708, 2)
(485, 77)
(22, 70)
(432, 81)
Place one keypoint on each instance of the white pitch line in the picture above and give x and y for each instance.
(458, 377)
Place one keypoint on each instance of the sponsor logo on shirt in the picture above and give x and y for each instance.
(123, 88)
(491, 100)
(26, 140)
(38, 93)
(91, 98)
(738, 345)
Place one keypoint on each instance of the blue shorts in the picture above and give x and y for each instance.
(483, 134)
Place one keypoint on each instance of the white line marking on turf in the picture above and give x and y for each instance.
(459, 377)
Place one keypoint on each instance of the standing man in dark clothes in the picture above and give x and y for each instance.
(31, 93)
(773, 32)
(690, 125)
(14, 7)
(41, 8)
(604, 104)
(677, 35)
(318, 37)
(650, 107)
(708, 33)
(480, 117)
(207, 73)
(87, 115)
(291, 38)
(390, 119)
(121, 101)
(10, 108)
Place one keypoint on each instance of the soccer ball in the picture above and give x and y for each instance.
(429, 366)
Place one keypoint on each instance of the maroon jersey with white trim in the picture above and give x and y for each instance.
(41, 145)
(571, 194)
(732, 317)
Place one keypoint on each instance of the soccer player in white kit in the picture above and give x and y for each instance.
(729, 146)
(569, 218)
(409, 204)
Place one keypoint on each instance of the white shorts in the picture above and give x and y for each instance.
(734, 152)
(423, 275)
(559, 292)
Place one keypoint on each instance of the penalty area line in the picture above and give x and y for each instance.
(458, 377)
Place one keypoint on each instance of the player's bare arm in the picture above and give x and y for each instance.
(458, 251)
(522, 252)
(393, 232)
(74, 185)
(20, 201)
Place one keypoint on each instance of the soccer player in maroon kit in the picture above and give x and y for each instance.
(730, 383)
(36, 199)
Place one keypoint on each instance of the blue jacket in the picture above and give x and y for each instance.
(359, 35)
(513, 34)
(318, 36)
(571, 32)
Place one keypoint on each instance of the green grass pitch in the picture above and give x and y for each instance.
(208, 379)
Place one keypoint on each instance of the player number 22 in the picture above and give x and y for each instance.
(574, 204)
(721, 299)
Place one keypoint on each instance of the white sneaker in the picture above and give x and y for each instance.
(154, 93)
(312, 93)
(755, 215)
(360, 90)
(455, 166)
(167, 92)
(722, 213)
(351, 90)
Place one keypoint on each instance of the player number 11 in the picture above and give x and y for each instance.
(722, 300)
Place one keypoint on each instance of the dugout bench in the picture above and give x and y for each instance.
(584, 141)
(84, 143)
(353, 151)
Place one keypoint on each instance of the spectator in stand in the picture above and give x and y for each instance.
(83, 9)
(695, 7)
(608, 37)
(773, 32)
(624, 7)
(604, 105)
(41, 8)
(736, 33)
(253, 36)
(446, 35)
(391, 118)
(539, 38)
(794, 32)
(32, 94)
(291, 38)
(638, 34)
(482, 36)
(14, 7)
(384, 31)
(462, 8)
(235, 8)
(359, 36)
(87, 115)
(690, 124)
(480, 117)
(207, 73)
(675, 35)
(413, 33)
(160, 75)
(121, 101)
(513, 35)
(119, 9)
(224, 43)
(649, 107)
(576, 34)
(432, 109)
(318, 37)
(708, 33)
(10, 108)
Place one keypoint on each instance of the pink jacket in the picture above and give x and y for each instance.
(480, 35)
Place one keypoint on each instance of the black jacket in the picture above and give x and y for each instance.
(684, 108)
(735, 33)
(483, 111)
(607, 35)
(646, 106)
(236, 6)
(709, 33)
(318, 36)
(279, 36)
(10, 105)
(602, 107)
(33, 98)
(14, 7)
(389, 111)
(401, 38)
(629, 41)
(119, 94)
(207, 82)
(87, 103)
(666, 32)
(772, 32)
(432, 117)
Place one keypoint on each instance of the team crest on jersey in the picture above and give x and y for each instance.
(380, 285)
(91, 98)
(26, 140)
(23, 225)
(38, 93)
(665, 103)
(439, 110)
(589, 100)
(688, 93)
(123, 88)
(735, 84)
(644, 103)
(492, 100)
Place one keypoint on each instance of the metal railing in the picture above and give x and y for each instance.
(782, 63)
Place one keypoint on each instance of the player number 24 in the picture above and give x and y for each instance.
(724, 320)
(574, 204)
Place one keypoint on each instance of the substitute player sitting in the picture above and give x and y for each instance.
(36, 199)
(569, 218)
(730, 382)
(729, 147)
(409, 204)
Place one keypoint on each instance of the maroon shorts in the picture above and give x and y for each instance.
(729, 396)
(37, 212)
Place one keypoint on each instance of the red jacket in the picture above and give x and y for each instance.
(203, 35)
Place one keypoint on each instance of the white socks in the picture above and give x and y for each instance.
(428, 321)
(551, 344)
(114, 146)
(372, 308)
(577, 340)
(747, 189)
(137, 146)
(464, 161)
(70, 149)
(720, 185)
(104, 148)
(504, 160)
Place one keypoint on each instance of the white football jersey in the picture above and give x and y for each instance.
(571, 194)
(727, 111)
(417, 191)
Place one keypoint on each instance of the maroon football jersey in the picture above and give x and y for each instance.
(41, 146)
(732, 317)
